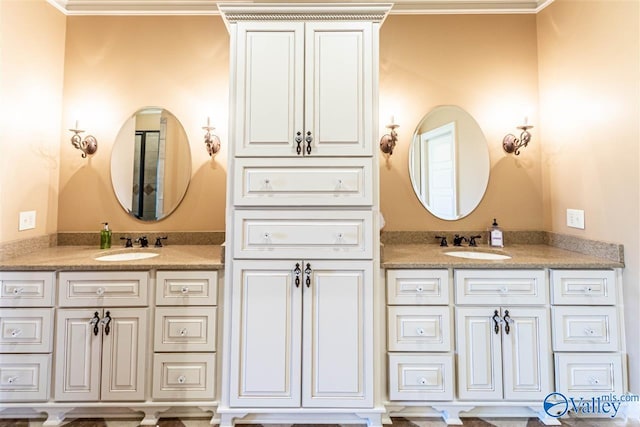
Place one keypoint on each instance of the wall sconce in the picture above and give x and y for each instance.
(511, 144)
(212, 141)
(388, 141)
(88, 145)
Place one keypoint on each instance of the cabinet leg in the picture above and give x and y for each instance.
(55, 417)
(151, 415)
(451, 414)
(545, 418)
(227, 420)
(373, 420)
(214, 418)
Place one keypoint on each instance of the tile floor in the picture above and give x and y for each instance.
(397, 422)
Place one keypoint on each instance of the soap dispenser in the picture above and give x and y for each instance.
(495, 235)
(105, 236)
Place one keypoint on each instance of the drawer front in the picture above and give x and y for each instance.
(186, 287)
(585, 328)
(501, 287)
(583, 287)
(318, 234)
(102, 288)
(420, 377)
(419, 328)
(589, 374)
(26, 330)
(24, 377)
(184, 376)
(417, 287)
(303, 182)
(26, 288)
(185, 329)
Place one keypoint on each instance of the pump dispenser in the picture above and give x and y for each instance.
(495, 235)
(105, 236)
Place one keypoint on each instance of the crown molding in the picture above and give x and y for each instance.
(210, 7)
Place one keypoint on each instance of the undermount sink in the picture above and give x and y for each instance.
(127, 256)
(477, 255)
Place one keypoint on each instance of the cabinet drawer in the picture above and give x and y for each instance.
(500, 287)
(417, 287)
(184, 376)
(589, 374)
(420, 377)
(26, 288)
(419, 328)
(303, 182)
(585, 328)
(583, 287)
(113, 288)
(186, 287)
(320, 234)
(24, 377)
(185, 329)
(26, 330)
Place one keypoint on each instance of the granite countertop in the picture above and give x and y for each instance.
(416, 255)
(174, 257)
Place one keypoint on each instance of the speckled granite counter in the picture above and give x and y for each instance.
(175, 257)
(397, 255)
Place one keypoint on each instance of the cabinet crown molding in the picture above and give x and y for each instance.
(232, 12)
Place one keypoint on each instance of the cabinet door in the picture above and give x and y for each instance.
(266, 338)
(479, 354)
(78, 352)
(337, 336)
(339, 88)
(526, 350)
(269, 88)
(124, 354)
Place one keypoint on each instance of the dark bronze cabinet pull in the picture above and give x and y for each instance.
(307, 271)
(507, 320)
(496, 319)
(309, 140)
(94, 321)
(106, 321)
(296, 273)
(298, 140)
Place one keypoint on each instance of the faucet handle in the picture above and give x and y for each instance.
(443, 240)
(159, 239)
(128, 243)
(472, 240)
(144, 242)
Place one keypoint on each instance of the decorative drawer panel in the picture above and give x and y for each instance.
(419, 328)
(422, 377)
(26, 330)
(583, 287)
(312, 234)
(417, 287)
(500, 287)
(103, 288)
(184, 376)
(186, 287)
(26, 288)
(303, 182)
(24, 377)
(589, 374)
(585, 328)
(185, 329)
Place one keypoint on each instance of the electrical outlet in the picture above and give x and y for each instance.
(575, 218)
(27, 220)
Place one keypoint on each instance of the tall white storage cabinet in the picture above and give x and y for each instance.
(302, 214)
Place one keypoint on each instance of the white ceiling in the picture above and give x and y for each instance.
(209, 7)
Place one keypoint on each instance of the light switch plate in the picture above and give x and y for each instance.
(27, 220)
(575, 218)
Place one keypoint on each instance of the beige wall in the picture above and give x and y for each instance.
(487, 65)
(589, 62)
(115, 65)
(31, 59)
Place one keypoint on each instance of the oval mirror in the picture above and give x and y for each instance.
(449, 162)
(151, 164)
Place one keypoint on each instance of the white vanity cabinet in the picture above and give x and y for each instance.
(303, 88)
(26, 335)
(101, 350)
(306, 328)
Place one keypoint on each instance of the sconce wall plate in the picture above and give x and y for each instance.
(511, 144)
(88, 145)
